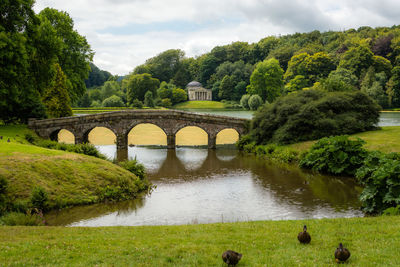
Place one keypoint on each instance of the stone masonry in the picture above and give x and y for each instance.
(121, 123)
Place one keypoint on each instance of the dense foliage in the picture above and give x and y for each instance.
(32, 48)
(312, 114)
(335, 155)
(380, 174)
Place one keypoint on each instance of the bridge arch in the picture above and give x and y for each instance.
(67, 133)
(109, 135)
(191, 135)
(227, 136)
(146, 133)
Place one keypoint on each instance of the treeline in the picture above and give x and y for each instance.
(366, 59)
(43, 62)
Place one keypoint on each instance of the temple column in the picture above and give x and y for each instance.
(171, 141)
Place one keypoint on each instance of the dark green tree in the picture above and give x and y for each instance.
(266, 80)
(148, 99)
(56, 98)
(139, 84)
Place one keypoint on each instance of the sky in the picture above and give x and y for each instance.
(124, 33)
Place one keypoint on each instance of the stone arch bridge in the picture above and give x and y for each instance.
(121, 122)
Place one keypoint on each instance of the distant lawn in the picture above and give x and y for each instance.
(386, 140)
(200, 104)
(372, 241)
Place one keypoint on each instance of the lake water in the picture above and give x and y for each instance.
(195, 185)
(206, 186)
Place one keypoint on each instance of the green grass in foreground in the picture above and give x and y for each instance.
(371, 241)
(385, 140)
(200, 104)
(69, 178)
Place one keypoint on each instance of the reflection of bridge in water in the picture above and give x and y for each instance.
(122, 122)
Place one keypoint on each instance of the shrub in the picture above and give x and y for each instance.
(40, 199)
(393, 211)
(113, 101)
(243, 140)
(335, 155)
(380, 174)
(16, 218)
(178, 95)
(134, 167)
(166, 103)
(136, 103)
(3, 191)
(148, 99)
(244, 101)
(313, 114)
(255, 102)
(31, 138)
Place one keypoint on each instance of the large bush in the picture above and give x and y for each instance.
(113, 101)
(255, 102)
(380, 174)
(313, 114)
(244, 101)
(335, 155)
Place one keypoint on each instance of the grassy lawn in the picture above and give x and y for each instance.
(371, 241)
(69, 178)
(385, 140)
(200, 104)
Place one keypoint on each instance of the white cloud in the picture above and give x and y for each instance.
(217, 22)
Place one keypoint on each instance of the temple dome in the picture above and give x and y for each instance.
(194, 84)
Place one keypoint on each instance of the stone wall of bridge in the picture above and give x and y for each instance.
(121, 123)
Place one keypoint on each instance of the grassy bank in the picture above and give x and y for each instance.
(200, 105)
(372, 242)
(69, 178)
(385, 140)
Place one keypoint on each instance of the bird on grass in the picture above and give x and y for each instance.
(341, 254)
(304, 237)
(8, 140)
(231, 257)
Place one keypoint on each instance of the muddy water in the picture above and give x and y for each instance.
(205, 186)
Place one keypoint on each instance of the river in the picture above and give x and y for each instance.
(196, 185)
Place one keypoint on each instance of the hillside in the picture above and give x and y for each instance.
(69, 178)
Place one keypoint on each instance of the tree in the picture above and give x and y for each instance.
(255, 102)
(207, 68)
(357, 59)
(296, 84)
(393, 88)
(178, 95)
(84, 101)
(164, 66)
(165, 90)
(56, 96)
(19, 97)
(266, 80)
(312, 67)
(74, 53)
(244, 101)
(113, 101)
(148, 99)
(226, 88)
(139, 84)
(96, 76)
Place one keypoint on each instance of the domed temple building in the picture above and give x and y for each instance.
(197, 92)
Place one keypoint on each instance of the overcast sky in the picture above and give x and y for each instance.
(124, 33)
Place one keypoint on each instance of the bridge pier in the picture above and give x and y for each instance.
(171, 141)
(212, 141)
(122, 147)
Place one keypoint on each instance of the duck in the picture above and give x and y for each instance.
(231, 257)
(8, 140)
(304, 237)
(341, 254)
